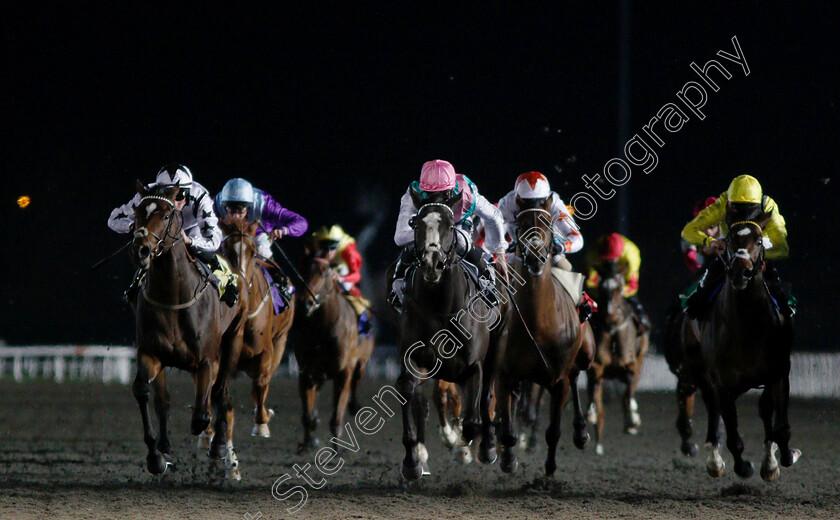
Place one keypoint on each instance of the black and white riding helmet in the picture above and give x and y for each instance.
(173, 174)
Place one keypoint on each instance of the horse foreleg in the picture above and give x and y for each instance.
(685, 406)
(358, 374)
(632, 420)
(559, 395)
(507, 437)
(308, 390)
(781, 428)
(410, 469)
(162, 411)
(259, 393)
(595, 382)
(714, 462)
(770, 466)
(743, 467)
(472, 415)
(421, 418)
(147, 368)
(580, 437)
(341, 395)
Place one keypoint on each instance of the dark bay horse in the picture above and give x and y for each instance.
(181, 323)
(619, 352)
(743, 342)
(265, 333)
(548, 345)
(446, 331)
(327, 344)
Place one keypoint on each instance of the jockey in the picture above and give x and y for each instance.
(439, 182)
(533, 189)
(201, 232)
(625, 258)
(695, 259)
(347, 262)
(239, 199)
(743, 200)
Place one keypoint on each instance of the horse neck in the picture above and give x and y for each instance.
(536, 286)
(446, 296)
(750, 305)
(171, 274)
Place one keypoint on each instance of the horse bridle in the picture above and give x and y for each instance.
(325, 287)
(162, 246)
(729, 259)
(448, 256)
(544, 251)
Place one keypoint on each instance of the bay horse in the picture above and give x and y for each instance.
(742, 342)
(619, 351)
(265, 333)
(447, 331)
(327, 344)
(181, 323)
(547, 343)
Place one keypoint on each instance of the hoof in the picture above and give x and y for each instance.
(550, 467)
(790, 458)
(599, 449)
(164, 447)
(217, 451)
(411, 473)
(689, 449)
(463, 455)
(522, 443)
(449, 436)
(770, 466)
(260, 430)
(306, 446)
(581, 439)
(199, 424)
(156, 463)
(426, 470)
(631, 430)
(486, 455)
(592, 414)
(422, 452)
(470, 431)
(714, 463)
(508, 462)
(353, 407)
(744, 469)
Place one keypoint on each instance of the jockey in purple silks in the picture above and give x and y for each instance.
(240, 200)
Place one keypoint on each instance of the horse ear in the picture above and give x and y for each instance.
(252, 229)
(172, 192)
(455, 201)
(546, 204)
(141, 189)
(763, 218)
(416, 198)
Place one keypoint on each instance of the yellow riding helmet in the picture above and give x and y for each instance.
(334, 233)
(744, 188)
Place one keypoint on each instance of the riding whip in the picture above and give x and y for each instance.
(277, 248)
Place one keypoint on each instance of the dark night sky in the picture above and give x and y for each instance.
(318, 106)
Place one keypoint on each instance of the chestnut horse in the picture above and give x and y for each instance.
(181, 323)
(327, 345)
(619, 352)
(265, 332)
(446, 330)
(742, 342)
(547, 345)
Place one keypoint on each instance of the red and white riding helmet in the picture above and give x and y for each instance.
(532, 185)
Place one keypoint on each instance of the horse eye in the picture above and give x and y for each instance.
(166, 217)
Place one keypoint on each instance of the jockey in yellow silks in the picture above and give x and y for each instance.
(743, 200)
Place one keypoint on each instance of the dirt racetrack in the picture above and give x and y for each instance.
(75, 450)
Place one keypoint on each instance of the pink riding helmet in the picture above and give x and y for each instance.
(437, 175)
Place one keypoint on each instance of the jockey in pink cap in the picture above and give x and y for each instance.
(438, 183)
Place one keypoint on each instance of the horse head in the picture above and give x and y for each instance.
(320, 281)
(239, 245)
(154, 228)
(609, 295)
(435, 236)
(535, 235)
(744, 255)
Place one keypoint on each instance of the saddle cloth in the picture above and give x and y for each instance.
(572, 282)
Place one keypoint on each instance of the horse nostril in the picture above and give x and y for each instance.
(439, 265)
(143, 252)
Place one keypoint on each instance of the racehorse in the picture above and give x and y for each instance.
(547, 345)
(181, 323)
(448, 405)
(265, 333)
(742, 342)
(327, 345)
(619, 352)
(446, 330)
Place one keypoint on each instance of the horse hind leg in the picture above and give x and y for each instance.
(559, 396)
(596, 389)
(781, 428)
(685, 406)
(308, 391)
(341, 395)
(743, 467)
(714, 462)
(201, 410)
(147, 368)
(507, 438)
(358, 373)
(448, 435)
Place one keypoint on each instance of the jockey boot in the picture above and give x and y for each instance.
(486, 275)
(698, 303)
(586, 307)
(780, 291)
(281, 281)
(130, 294)
(640, 316)
(231, 294)
(406, 258)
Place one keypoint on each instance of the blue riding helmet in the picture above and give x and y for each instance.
(239, 191)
